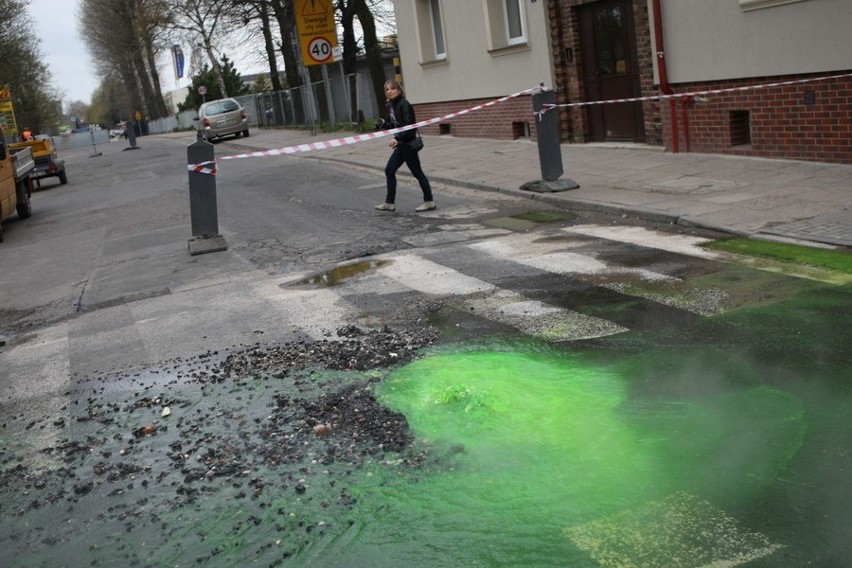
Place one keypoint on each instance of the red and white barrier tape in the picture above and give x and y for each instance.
(548, 107)
(336, 143)
(201, 169)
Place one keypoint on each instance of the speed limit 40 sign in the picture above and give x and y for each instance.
(319, 50)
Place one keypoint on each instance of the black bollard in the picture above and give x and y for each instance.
(549, 148)
(547, 127)
(202, 200)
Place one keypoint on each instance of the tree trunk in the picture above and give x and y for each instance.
(350, 58)
(284, 15)
(283, 11)
(271, 54)
(374, 52)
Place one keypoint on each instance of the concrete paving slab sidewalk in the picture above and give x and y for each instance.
(805, 202)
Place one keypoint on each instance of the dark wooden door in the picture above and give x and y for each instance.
(611, 70)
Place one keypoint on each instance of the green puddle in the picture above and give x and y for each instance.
(548, 456)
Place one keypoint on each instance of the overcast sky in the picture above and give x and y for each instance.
(65, 54)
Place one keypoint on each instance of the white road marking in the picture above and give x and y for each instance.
(681, 244)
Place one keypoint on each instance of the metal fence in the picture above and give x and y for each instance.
(335, 101)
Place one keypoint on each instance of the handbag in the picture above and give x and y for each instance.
(417, 144)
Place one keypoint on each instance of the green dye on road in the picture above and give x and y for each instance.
(538, 442)
(792, 259)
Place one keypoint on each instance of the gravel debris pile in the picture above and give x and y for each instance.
(279, 432)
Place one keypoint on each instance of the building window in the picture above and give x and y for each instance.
(515, 32)
(437, 29)
(507, 24)
(430, 27)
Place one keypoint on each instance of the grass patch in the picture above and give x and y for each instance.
(831, 259)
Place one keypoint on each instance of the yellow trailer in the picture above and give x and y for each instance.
(46, 162)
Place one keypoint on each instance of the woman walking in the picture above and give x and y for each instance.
(402, 114)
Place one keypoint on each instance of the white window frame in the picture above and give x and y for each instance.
(521, 39)
(437, 26)
(497, 25)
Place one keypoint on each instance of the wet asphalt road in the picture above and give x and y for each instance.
(269, 387)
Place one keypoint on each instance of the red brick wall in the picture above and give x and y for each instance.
(782, 123)
(490, 122)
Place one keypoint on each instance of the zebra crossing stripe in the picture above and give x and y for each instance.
(524, 249)
(679, 244)
(507, 307)
(680, 530)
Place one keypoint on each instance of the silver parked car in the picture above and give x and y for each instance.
(220, 118)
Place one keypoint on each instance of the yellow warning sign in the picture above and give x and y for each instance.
(7, 119)
(5, 94)
(317, 31)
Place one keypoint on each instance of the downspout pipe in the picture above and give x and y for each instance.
(662, 70)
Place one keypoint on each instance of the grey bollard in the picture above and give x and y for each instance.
(130, 130)
(202, 201)
(549, 148)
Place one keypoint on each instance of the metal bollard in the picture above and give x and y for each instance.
(202, 201)
(130, 131)
(549, 148)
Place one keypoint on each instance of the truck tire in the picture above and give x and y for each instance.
(1, 232)
(63, 178)
(25, 207)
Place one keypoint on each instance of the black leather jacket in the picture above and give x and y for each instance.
(404, 116)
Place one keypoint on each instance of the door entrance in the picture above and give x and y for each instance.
(611, 70)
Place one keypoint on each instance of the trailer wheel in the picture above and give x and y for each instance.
(25, 207)
(63, 178)
(1, 232)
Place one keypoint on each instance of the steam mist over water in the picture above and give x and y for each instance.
(540, 444)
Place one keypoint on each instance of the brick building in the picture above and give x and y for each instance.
(459, 54)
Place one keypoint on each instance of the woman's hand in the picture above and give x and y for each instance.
(393, 143)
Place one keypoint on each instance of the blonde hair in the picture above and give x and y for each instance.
(397, 85)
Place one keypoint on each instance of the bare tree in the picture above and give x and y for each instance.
(200, 20)
(260, 12)
(124, 38)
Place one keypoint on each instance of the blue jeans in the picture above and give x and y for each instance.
(402, 155)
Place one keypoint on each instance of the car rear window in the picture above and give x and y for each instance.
(224, 106)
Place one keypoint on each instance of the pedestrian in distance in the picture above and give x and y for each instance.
(401, 113)
(27, 134)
